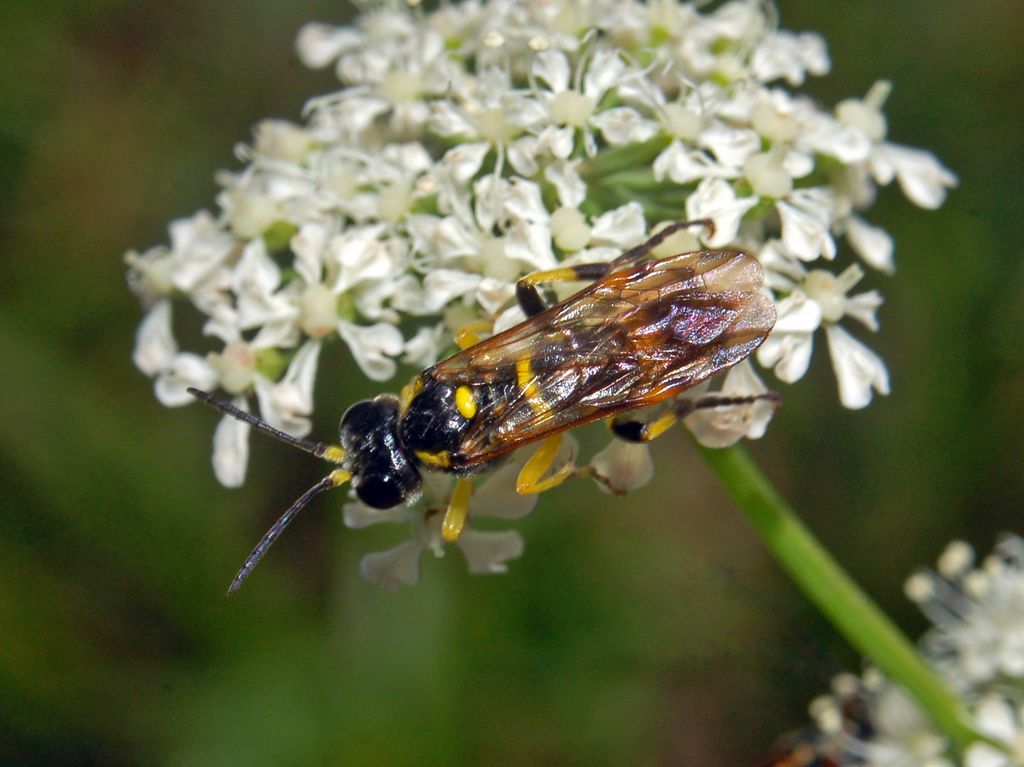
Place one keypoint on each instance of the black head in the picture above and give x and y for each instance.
(382, 473)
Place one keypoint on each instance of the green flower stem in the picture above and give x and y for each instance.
(638, 179)
(624, 157)
(835, 593)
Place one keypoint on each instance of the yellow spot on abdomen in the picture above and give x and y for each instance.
(465, 402)
(528, 384)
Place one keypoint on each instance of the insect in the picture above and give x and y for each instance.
(841, 745)
(640, 334)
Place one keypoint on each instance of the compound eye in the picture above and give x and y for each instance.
(380, 491)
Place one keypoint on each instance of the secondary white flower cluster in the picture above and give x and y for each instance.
(976, 644)
(471, 145)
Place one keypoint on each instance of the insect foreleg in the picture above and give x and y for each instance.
(458, 510)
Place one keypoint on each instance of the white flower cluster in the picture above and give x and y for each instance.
(479, 142)
(976, 644)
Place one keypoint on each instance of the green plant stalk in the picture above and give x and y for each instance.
(840, 599)
(620, 158)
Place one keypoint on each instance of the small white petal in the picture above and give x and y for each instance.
(805, 226)
(184, 371)
(984, 755)
(858, 369)
(788, 354)
(522, 156)
(231, 448)
(493, 294)
(423, 348)
(447, 237)
(441, 286)
(497, 497)
(487, 552)
(995, 718)
(798, 164)
(320, 44)
(730, 146)
(847, 143)
(553, 68)
(797, 313)
(395, 567)
(622, 227)
(872, 243)
(155, 346)
(623, 466)
(255, 278)
(571, 188)
(923, 179)
(790, 56)
(531, 244)
(308, 245)
(604, 72)
(524, 201)
(863, 306)
(360, 255)
(199, 246)
(683, 165)
(464, 160)
(724, 426)
(624, 125)
(446, 120)
(508, 318)
(557, 141)
(287, 404)
(714, 198)
(372, 346)
(358, 515)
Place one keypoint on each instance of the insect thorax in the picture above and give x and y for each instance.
(436, 421)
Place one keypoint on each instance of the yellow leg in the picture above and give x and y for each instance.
(660, 425)
(458, 510)
(469, 334)
(529, 480)
(638, 431)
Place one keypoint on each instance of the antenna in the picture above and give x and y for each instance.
(332, 453)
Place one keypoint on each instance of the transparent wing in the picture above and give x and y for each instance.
(633, 339)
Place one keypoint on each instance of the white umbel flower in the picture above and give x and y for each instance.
(978, 612)
(976, 644)
(468, 146)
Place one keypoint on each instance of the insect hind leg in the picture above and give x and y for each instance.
(633, 430)
(528, 295)
(684, 407)
(645, 249)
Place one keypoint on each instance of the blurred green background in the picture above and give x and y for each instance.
(646, 630)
